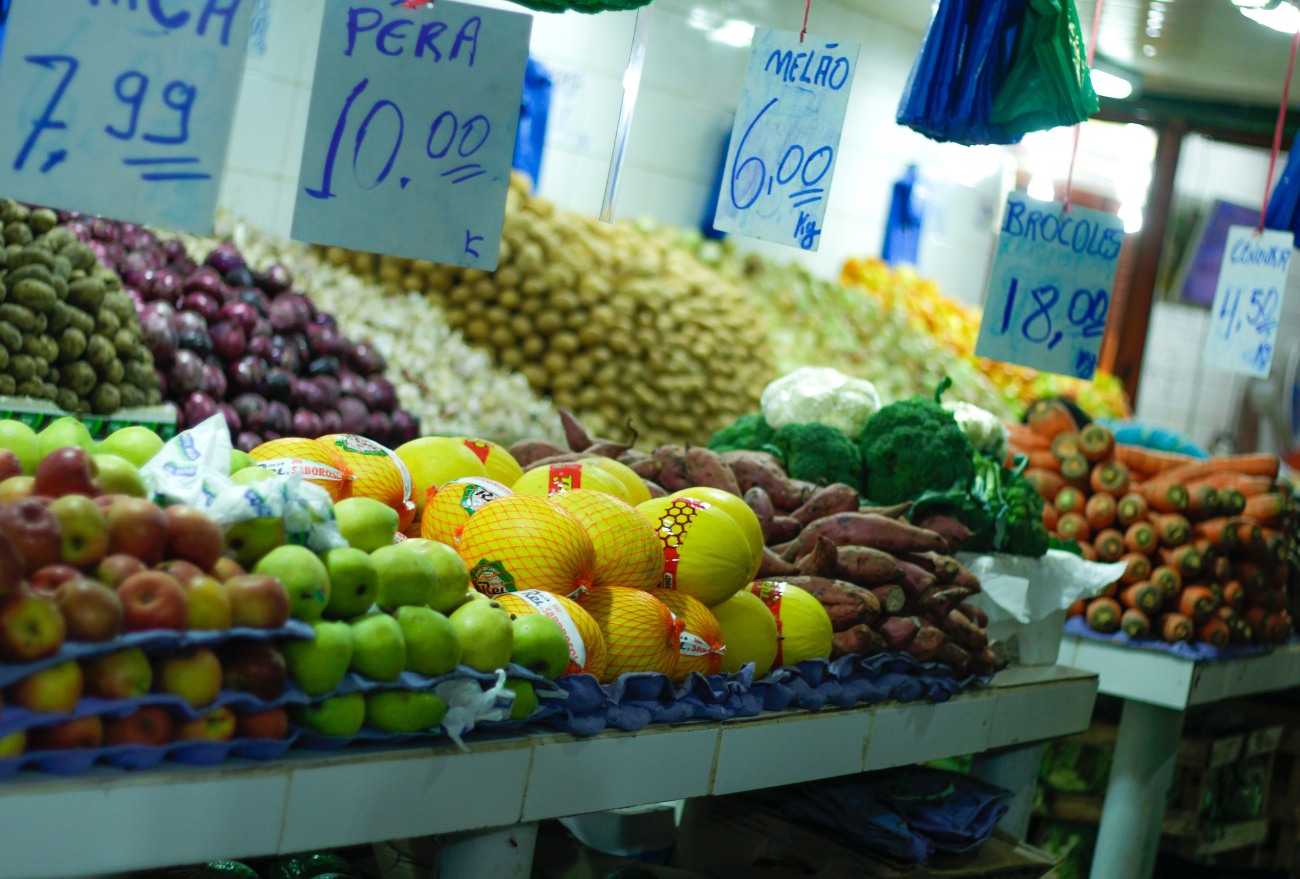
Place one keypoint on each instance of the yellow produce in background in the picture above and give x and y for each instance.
(498, 462)
(637, 493)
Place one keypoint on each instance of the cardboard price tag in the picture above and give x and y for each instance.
(1049, 290)
(411, 130)
(786, 137)
(121, 109)
(1247, 301)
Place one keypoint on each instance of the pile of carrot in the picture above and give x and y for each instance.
(1207, 543)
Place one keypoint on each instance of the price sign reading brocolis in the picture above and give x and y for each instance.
(412, 130)
(1247, 301)
(121, 108)
(1050, 287)
(786, 136)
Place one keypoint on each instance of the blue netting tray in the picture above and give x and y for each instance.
(193, 753)
(1195, 652)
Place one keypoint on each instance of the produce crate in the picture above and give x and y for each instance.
(36, 414)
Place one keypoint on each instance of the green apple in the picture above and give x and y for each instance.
(13, 744)
(318, 665)
(525, 699)
(432, 645)
(378, 647)
(354, 582)
(21, 440)
(239, 461)
(540, 645)
(340, 716)
(404, 577)
(136, 444)
(453, 576)
(486, 634)
(251, 474)
(65, 431)
(304, 578)
(403, 711)
(366, 523)
(250, 540)
(119, 476)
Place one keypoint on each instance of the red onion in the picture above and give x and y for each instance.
(306, 423)
(329, 386)
(246, 441)
(366, 359)
(255, 298)
(351, 384)
(405, 427)
(189, 320)
(186, 373)
(240, 313)
(378, 428)
(224, 258)
(214, 382)
(380, 395)
(275, 280)
(204, 280)
(353, 414)
(233, 421)
(159, 337)
(201, 303)
(247, 375)
(279, 418)
(198, 408)
(279, 384)
(246, 405)
(330, 423)
(240, 276)
(228, 340)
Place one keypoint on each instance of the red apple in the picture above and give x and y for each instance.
(226, 567)
(10, 466)
(34, 531)
(114, 569)
(55, 690)
(105, 501)
(31, 628)
(151, 725)
(270, 724)
(192, 535)
(138, 527)
(152, 600)
(257, 601)
(218, 725)
(253, 667)
(181, 570)
(91, 611)
(68, 470)
(48, 579)
(11, 568)
(84, 732)
(125, 674)
(16, 488)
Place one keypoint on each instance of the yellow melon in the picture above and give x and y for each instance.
(318, 462)
(500, 464)
(448, 507)
(435, 460)
(555, 478)
(740, 513)
(749, 631)
(521, 542)
(706, 554)
(380, 474)
(701, 648)
(640, 633)
(801, 621)
(627, 551)
(637, 493)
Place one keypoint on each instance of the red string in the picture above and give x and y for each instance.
(807, 7)
(1277, 131)
(1074, 152)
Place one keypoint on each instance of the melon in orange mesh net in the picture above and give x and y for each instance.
(627, 551)
(555, 478)
(640, 633)
(448, 508)
(523, 542)
(318, 462)
(706, 554)
(586, 643)
(380, 474)
(701, 646)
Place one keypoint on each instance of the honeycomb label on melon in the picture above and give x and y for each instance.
(549, 605)
(491, 578)
(671, 531)
(770, 594)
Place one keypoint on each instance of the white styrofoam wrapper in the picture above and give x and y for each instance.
(821, 394)
(1028, 589)
(468, 703)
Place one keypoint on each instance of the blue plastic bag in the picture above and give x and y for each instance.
(1282, 214)
(534, 108)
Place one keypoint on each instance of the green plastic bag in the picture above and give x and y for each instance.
(1049, 83)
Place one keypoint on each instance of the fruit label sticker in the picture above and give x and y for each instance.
(411, 129)
(673, 525)
(121, 109)
(694, 645)
(786, 137)
(477, 492)
(1049, 289)
(563, 477)
(770, 594)
(548, 605)
(1248, 301)
(491, 577)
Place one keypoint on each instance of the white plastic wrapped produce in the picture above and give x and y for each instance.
(822, 394)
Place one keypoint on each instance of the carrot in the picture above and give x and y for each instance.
(1046, 482)
(1220, 531)
(1103, 615)
(1088, 550)
(1149, 461)
(1073, 525)
(1215, 633)
(1050, 517)
(1135, 623)
(1185, 558)
(1239, 630)
(1109, 545)
(1249, 533)
(1131, 508)
(1216, 588)
(1112, 590)
(1250, 574)
(1274, 544)
(1278, 628)
(1076, 609)
(1023, 438)
(1282, 485)
(1066, 445)
(1144, 595)
(1111, 476)
(1202, 501)
(1096, 442)
(1047, 418)
(1222, 570)
(1138, 567)
(1075, 469)
(1247, 485)
(1209, 553)
(1197, 602)
(1172, 529)
(1164, 497)
(1231, 502)
(1174, 627)
(1100, 510)
(1234, 596)
(1168, 579)
(1248, 465)
(1043, 459)
(1255, 617)
(1069, 500)
(1267, 509)
(1140, 537)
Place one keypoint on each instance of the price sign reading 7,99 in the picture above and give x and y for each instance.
(785, 138)
(121, 108)
(1050, 288)
(411, 129)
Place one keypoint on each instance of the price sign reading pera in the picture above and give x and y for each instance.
(786, 137)
(1050, 287)
(1248, 301)
(411, 130)
(121, 107)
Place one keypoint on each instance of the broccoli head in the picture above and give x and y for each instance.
(819, 454)
(911, 447)
(748, 433)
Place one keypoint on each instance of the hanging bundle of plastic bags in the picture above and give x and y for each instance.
(1049, 83)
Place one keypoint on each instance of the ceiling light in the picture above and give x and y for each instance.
(1155, 15)
(1108, 85)
(733, 33)
(1256, 4)
(1285, 18)
(1041, 188)
(1153, 32)
(1149, 51)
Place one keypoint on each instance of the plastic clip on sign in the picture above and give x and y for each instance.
(1049, 290)
(121, 108)
(412, 129)
(786, 135)
(1248, 301)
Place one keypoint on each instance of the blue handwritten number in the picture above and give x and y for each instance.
(1264, 308)
(1009, 308)
(361, 136)
(46, 121)
(1235, 297)
(332, 153)
(132, 97)
(179, 97)
(433, 130)
(1088, 312)
(469, 126)
(739, 167)
(1041, 312)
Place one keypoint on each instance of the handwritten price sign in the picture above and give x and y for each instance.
(1247, 301)
(785, 138)
(411, 130)
(1049, 291)
(121, 108)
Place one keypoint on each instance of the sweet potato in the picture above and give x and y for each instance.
(706, 467)
(655, 489)
(954, 657)
(774, 566)
(574, 432)
(897, 511)
(866, 566)
(820, 561)
(785, 529)
(954, 533)
(647, 468)
(605, 449)
(857, 641)
(898, 632)
(892, 598)
(761, 504)
(927, 643)
(530, 450)
(672, 473)
(937, 602)
(915, 581)
(975, 614)
(961, 629)
(764, 470)
(858, 529)
(834, 498)
(966, 579)
(846, 604)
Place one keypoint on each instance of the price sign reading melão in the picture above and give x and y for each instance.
(1050, 287)
(412, 130)
(121, 108)
(1248, 301)
(786, 137)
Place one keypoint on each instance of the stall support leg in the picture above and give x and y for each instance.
(498, 853)
(1135, 795)
(1015, 769)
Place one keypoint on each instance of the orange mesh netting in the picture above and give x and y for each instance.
(316, 461)
(380, 474)
(700, 644)
(640, 633)
(588, 654)
(524, 542)
(449, 507)
(627, 551)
